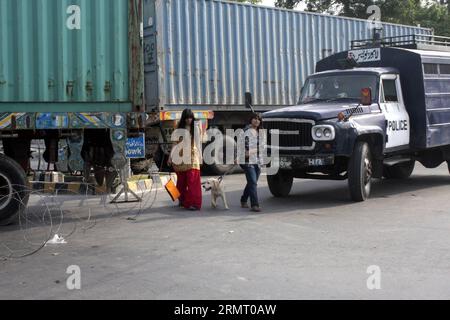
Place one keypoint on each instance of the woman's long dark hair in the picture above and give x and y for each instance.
(188, 114)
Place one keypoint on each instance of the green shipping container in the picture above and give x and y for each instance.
(71, 56)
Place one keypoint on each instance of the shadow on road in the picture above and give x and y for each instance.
(306, 195)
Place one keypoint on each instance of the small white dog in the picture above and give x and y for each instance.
(217, 191)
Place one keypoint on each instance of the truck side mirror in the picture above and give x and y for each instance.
(366, 96)
(248, 100)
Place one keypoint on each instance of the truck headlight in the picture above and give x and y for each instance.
(323, 133)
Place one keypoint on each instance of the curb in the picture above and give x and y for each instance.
(67, 188)
(140, 183)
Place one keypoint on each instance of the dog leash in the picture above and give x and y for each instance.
(227, 173)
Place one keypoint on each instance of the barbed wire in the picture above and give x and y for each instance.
(49, 214)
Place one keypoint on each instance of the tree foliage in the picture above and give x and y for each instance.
(431, 14)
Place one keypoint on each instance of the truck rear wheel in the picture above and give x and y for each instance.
(13, 190)
(220, 167)
(280, 185)
(399, 171)
(360, 172)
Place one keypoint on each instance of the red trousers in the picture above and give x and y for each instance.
(190, 186)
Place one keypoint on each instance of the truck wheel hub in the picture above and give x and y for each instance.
(367, 170)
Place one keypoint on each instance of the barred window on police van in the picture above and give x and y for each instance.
(444, 69)
(430, 68)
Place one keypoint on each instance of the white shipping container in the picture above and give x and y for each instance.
(205, 54)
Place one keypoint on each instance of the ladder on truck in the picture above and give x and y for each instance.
(413, 41)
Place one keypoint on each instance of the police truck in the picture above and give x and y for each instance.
(369, 112)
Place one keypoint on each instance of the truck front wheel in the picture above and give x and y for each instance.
(360, 172)
(399, 171)
(280, 185)
(13, 190)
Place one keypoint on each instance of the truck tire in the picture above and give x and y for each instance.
(13, 190)
(280, 185)
(221, 169)
(399, 171)
(360, 172)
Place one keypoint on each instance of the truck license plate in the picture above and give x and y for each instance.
(306, 161)
(316, 162)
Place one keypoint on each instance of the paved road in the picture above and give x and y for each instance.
(315, 244)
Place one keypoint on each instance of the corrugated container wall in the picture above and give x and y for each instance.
(208, 53)
(69, 50)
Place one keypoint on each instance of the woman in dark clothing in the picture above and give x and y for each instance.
(252, 166)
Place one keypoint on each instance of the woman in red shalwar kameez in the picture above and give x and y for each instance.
(188, 174)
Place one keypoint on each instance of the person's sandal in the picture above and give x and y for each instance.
(256, 209)
(244, 205)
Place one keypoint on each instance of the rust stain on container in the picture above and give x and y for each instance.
(107, 87)
(89, 88)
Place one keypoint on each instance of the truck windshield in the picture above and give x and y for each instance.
(338, 87)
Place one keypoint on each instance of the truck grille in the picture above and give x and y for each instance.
(295, 135)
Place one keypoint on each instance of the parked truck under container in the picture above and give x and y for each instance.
(71, 73)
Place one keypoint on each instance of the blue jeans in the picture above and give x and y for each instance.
(252, 173)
